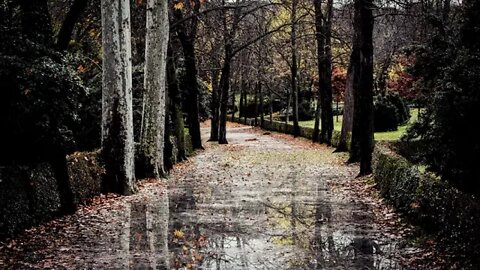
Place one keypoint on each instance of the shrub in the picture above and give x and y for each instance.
(305, 111)
(449, 69)
(439, 208)
(41, 102)
(390, 111)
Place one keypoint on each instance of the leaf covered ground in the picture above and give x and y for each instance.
(264, 201)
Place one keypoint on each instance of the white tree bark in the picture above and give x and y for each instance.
(153, 128)
(117, 116)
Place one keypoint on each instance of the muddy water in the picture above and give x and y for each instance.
(264, 203)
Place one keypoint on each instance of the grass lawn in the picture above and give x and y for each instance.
(379, 136)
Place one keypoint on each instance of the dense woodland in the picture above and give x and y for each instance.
(126, 76)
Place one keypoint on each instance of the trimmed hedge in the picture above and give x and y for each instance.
(452, 216)
(29, 193)
(85, 173)
(278, 126)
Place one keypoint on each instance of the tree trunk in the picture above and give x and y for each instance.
(327, 110)
(324, 112)
(362, 132)
(347, 121)
(255, 104)
(152, 136)
(271, 106)
(117, 115)
(224, 86)
(72, 17)
(242, 102)
(316, 126)
(245, 103)
(168, 158)
(214, 106)
(59, 165)
(287, 118)
(233, 103)
(294, 68)
(191, 85)
(176, 106)
(189, 80)
(320, 38)
(260, 96)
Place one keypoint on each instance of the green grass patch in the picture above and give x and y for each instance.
(379, 136)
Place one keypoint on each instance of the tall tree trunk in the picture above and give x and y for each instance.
(260, 96)
(271, 106)
(327, 110)
(324, 112)
(189, 80)
(152, 138)
(176, 106)
(168, 156)
(318, 110)
(362, 132)
(117, 115)
(215, 105)
(245, 106)
(320, 38)
(242, 102)
(233, 102)
(255, 104)
(287, 118)
(224, 87)
(347, 120)
(294, 68)
(72, 17)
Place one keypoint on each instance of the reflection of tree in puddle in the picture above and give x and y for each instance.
(185, 240)
(332, 233)
(144, 237)
(299, 225)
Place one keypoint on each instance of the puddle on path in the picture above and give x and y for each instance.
(269, 205)
(257, 203)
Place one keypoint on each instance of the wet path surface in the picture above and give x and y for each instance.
(265, 203)
(261, 202)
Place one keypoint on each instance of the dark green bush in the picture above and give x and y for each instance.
(390, 111)
(449, 68)
(305, 111)
(41, 102)
(452, 216)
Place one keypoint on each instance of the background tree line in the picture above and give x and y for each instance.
(125, 76)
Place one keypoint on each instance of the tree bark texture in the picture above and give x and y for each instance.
(347, 121)
(324, 111)
(72, 17)
(189, 80)
(362, 132)
(326, 81)
(175, 100)
(117, 115)
(152, 138)
(294, 68)
(224, 87)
